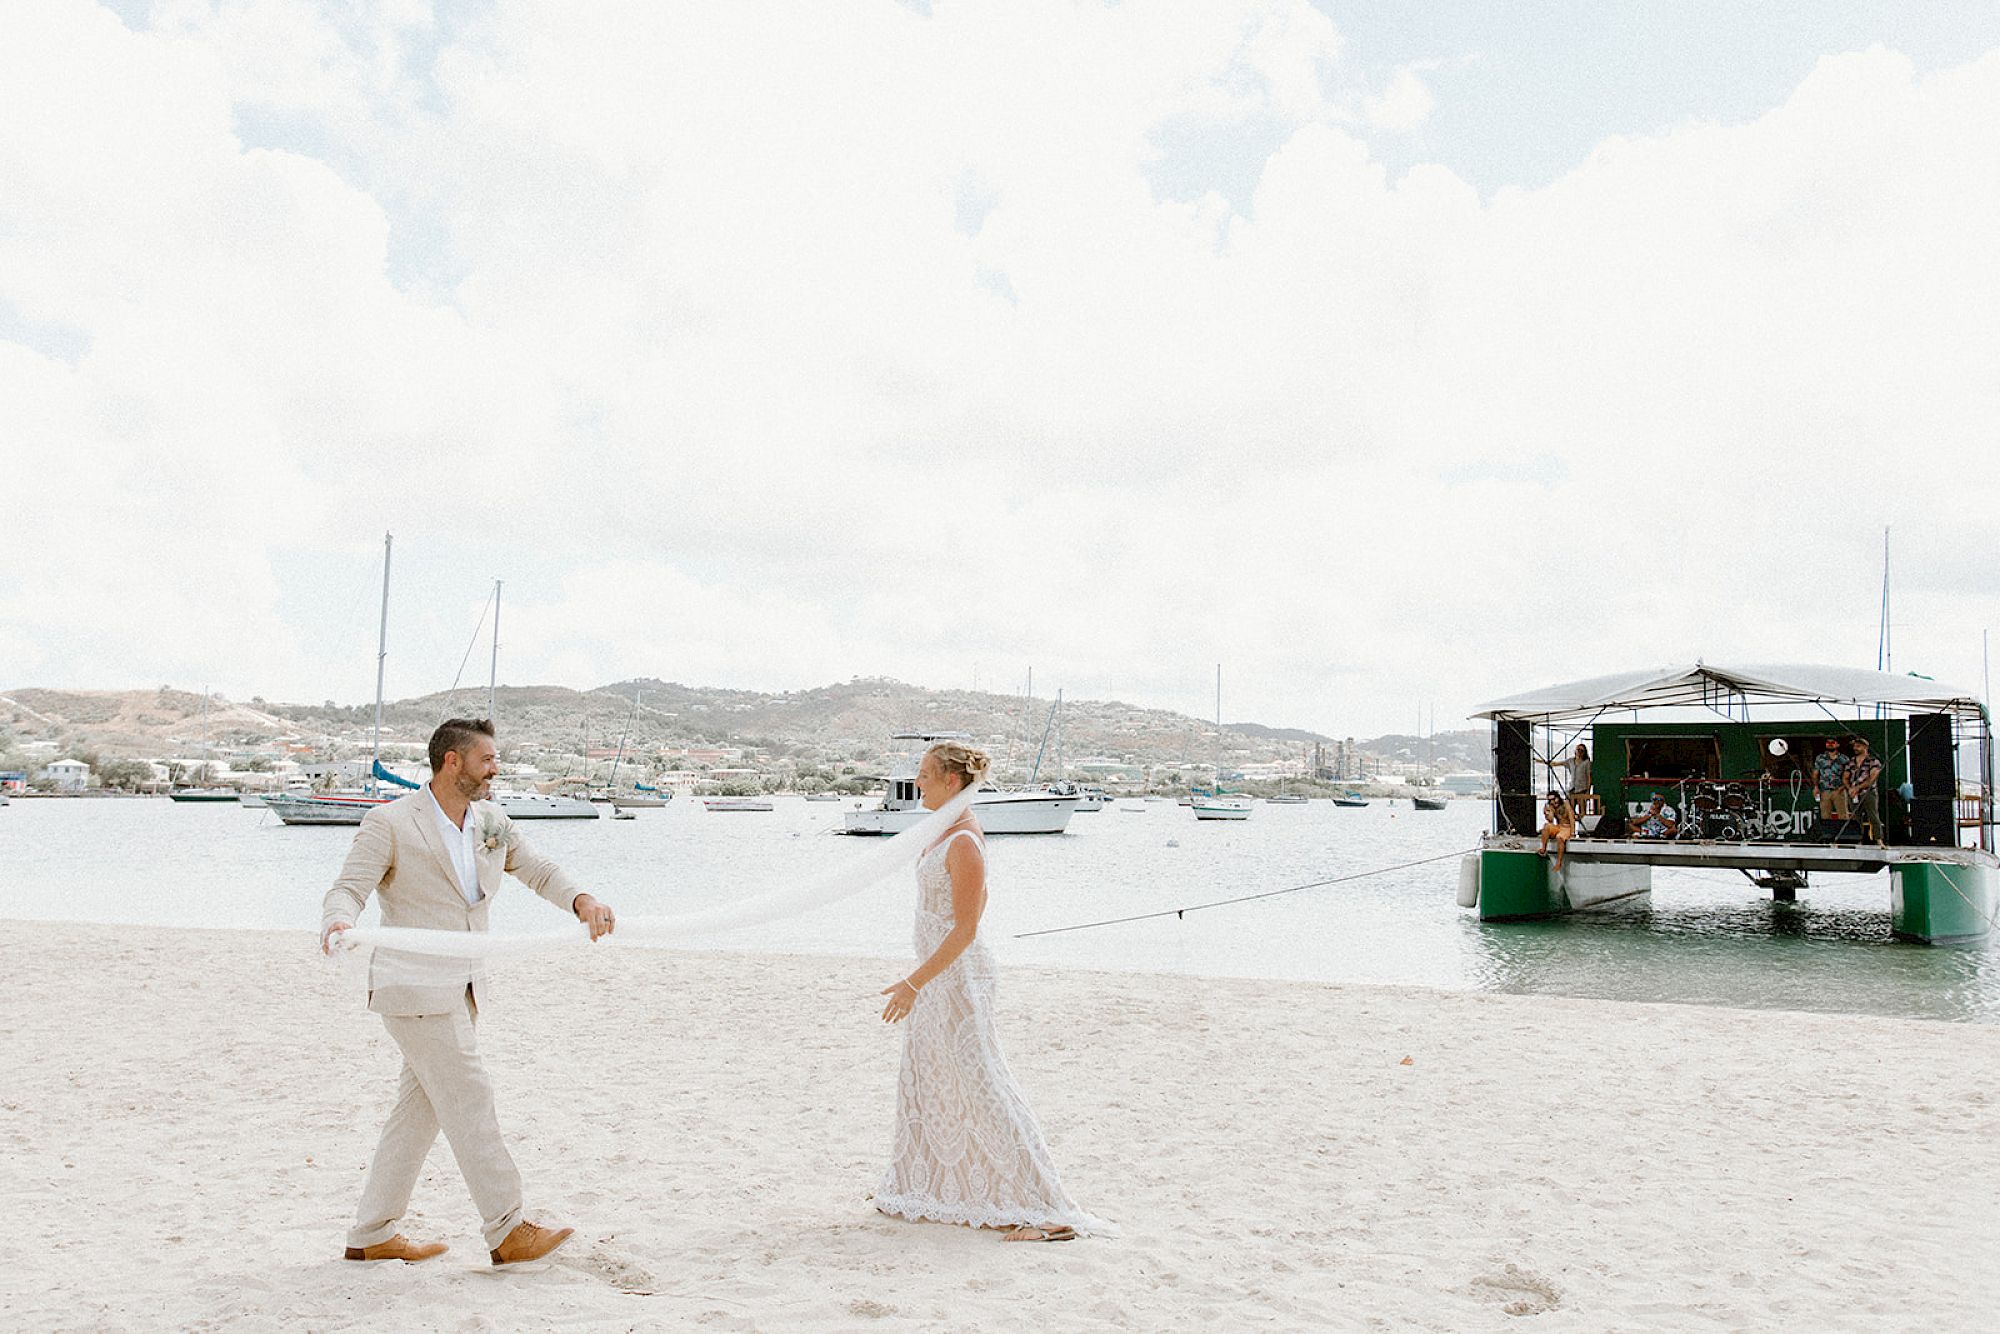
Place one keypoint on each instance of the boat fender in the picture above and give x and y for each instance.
(1468, 880)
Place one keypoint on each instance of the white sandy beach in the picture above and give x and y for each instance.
(187, 1114)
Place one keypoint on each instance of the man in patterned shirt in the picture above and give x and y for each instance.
(1864, 791)
(1829, 769)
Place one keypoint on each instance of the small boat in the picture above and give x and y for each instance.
(203, 794)
(1350, 799)
(737, 804)
(1218, 805)
(620, 813)
(1287, 799)
(822, 796)
(1424, 803)
(327, 808)
(641, 801)
(543, 806)
(1087, 798)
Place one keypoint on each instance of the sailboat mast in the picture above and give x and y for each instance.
(493, 671)
(381, 661)
(1218, 729)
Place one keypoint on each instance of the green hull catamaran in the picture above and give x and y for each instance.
(1730, 752)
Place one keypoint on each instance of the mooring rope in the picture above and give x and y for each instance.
(1243, 898)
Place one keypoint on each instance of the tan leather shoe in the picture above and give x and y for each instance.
(398, 1247)
(528, 1242)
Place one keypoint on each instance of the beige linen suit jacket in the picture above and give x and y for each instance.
(399, 854)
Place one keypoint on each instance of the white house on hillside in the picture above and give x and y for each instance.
(68, 775)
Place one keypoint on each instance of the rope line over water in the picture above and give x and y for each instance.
(1244, 898)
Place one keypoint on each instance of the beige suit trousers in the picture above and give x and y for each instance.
(444, 1087)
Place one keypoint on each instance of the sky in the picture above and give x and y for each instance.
(1394, 358)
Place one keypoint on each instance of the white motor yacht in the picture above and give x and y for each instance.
(997, 812)
(544, 806)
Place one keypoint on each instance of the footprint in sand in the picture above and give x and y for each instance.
(1527, 1293)
(618, 1271)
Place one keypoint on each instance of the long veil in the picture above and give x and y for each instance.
(410, 956)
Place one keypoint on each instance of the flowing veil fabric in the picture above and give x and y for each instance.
(408, 956)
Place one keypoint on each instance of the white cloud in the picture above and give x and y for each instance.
(667, 316)
(1405, 102)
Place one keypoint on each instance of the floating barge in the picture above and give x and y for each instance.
(1730, 752)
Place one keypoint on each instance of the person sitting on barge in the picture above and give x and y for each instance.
(1657, 822)
(1558, 823)
(1577, 767)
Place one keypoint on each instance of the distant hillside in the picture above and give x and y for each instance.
(550, 725)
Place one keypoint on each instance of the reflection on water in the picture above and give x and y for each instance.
(1757, 955)
(1706, 937)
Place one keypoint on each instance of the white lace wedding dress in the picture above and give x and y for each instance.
(967, 1148)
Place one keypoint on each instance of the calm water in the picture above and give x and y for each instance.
(1708, 938)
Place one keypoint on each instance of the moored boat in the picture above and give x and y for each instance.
(738, 804)
(998, 812)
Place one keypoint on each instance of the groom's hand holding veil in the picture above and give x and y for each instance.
(592, 913)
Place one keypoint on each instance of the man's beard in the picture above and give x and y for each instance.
(474, 789)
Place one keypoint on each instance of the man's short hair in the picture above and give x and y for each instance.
(456, 734)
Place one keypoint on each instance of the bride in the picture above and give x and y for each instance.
(967, 1149)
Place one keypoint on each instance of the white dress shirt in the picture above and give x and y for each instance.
(462, 843)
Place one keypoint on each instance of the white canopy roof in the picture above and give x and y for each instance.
(1724, 688)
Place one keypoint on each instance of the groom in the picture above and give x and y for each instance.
(436, 862)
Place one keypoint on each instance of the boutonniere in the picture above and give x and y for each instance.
(495, 830)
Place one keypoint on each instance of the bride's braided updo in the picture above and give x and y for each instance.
(955, 757)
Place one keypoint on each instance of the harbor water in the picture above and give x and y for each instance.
(1707, 937)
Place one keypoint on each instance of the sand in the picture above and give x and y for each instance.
(186, 1117)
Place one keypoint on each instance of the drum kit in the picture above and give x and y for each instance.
(1730, 811)
(1724, 811)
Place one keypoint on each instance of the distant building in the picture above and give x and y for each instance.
(13, 782)
(68, 775)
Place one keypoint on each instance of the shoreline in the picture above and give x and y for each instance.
(1112, 970)
(195, 1107)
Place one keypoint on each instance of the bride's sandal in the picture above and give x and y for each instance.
(1029, 1232)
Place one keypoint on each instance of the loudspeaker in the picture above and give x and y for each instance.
(1934, 779)
(1514, 775)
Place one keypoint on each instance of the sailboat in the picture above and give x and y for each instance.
(641, 797)
(203, 793)
(525, 805)
(1214, 805)
(1287, 797)
(347, 808)
(1426, 801)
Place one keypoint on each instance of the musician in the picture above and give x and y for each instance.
(1657, 822)
(1864, 791)
(1830, 777)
